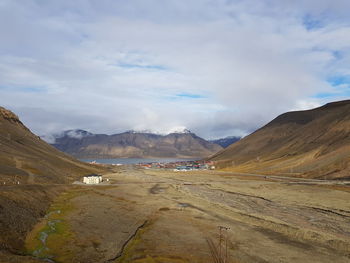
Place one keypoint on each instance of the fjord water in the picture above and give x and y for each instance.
(138, 160)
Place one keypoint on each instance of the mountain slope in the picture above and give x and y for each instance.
(313, 143)
(32, 174)
(27, 159)
(134, 144)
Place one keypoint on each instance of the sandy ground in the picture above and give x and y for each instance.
(163, 216)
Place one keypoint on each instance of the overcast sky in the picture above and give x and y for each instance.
(216, 67)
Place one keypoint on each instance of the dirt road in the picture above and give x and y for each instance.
(162, 216)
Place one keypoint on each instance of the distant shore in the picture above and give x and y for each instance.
(138, 160)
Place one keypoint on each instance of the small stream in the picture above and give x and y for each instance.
(42, 251)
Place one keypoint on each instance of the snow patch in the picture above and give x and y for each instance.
(178, 129)
(76, 134)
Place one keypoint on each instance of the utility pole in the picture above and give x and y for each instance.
(220, 238)
(223, 259)
(226, 251)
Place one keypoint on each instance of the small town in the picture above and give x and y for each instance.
(180, 165)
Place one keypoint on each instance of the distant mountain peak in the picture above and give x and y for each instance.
(140, 131)
(77, 134)
(176, 130)
(227, 141)
(135, 144)
(181, 131)
(74, 134)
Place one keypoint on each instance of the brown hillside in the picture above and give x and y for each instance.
(32, 174)
(27, 159)
(313, 143)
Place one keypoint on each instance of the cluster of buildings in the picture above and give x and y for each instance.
(181, 165)
(175, 166)
(92, 179)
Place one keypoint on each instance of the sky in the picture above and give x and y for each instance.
(217, 67)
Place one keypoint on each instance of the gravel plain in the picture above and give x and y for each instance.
(165, 216)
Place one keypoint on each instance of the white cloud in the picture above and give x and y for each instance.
(307, 104)
(110, 66)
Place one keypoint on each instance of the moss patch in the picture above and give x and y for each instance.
(51, 237)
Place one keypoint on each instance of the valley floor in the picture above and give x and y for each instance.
(163, 216)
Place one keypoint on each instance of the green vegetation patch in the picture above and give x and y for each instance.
(134, 254)
(51, 237)
(160, 259)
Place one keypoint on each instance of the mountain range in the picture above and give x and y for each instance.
(131, 144)
(312, 143)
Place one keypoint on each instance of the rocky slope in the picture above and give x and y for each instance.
(134, 144)
(313, 143)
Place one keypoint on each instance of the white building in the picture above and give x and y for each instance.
(92, 179)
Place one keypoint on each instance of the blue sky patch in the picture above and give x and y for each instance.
(30, 89)
(323, 95)
(311, 23)
(190, 96)
(337, 54)
(139, 66)
(340, 85)
(184, 96)
(344, 92)
(338, 80)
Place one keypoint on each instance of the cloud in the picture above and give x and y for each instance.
(216, 67)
